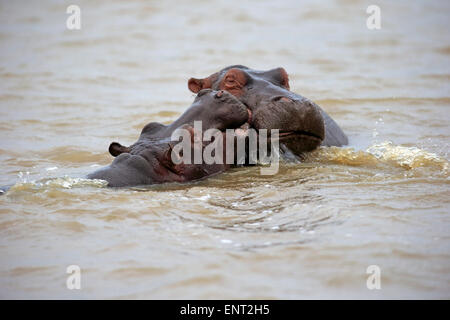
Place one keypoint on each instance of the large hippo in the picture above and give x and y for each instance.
(149, 160)
(303, 124)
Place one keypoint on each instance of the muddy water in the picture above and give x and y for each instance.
(310, 231)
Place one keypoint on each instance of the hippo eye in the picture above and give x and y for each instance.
(167, 158)
(230, 80)
(234, 82)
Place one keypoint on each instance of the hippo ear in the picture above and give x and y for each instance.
(195, 85)
(116, 148)
(279, 77)
(284, 78)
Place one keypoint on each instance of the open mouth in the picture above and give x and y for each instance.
(282, 135)
(286, 135)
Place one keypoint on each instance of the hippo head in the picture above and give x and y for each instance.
(272, 106)
(149, 160)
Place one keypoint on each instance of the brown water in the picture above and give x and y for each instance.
(310, 231)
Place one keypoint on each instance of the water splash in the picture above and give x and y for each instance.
(384, 153)
(407, 157)
(65, 182)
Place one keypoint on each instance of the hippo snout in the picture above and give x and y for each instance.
(299, 121)
(313, 121)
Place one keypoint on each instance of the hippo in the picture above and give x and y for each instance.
(238, 98)
(149, 160)
(302, 123)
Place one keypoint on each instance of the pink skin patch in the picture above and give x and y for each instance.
(243, 130)
(249, 116)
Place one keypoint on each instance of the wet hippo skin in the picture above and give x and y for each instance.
(233, 98)
(148, 161)
(303, 124)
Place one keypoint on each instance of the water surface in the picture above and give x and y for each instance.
(310, 231)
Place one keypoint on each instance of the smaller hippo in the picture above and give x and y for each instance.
(149, 160)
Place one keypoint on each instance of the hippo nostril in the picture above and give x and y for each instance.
(219, 94)
(282, 98)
